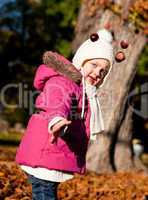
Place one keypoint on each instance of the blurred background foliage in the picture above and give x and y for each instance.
(27, 29)
(142, 65)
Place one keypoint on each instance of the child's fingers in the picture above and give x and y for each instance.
(59, 125)
(64, 122)
(53, 139)
(68, 122)
(56, 130)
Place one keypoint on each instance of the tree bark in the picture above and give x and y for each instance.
(107, 153)
(123, 149)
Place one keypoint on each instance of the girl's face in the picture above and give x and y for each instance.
(95, 70)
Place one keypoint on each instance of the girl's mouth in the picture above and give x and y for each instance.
(95, 79)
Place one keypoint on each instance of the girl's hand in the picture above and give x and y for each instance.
(55, 129)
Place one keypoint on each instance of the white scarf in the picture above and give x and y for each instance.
(96, 119)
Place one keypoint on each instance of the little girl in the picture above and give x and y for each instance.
(55, 143)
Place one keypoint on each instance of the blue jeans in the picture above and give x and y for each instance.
(43, 189)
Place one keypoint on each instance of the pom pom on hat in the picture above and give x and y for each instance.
(105, 35)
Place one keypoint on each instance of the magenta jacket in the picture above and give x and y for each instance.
(59, 96)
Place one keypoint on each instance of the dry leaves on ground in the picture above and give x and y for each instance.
(116, 186)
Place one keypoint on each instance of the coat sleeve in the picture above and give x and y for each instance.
(56, 99)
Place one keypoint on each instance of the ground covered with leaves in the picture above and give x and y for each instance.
(112, 186)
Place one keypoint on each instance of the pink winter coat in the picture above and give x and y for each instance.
(59, 96)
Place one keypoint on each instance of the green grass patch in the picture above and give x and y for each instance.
(12, 138)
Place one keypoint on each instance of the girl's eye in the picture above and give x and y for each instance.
(95, 65)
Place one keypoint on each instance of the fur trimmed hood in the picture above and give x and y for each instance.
(54, 65)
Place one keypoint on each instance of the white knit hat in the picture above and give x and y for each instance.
(101, 48)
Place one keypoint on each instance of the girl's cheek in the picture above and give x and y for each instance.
(86, 73)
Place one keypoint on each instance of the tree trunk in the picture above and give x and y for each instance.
(123, 150)
(108, 152)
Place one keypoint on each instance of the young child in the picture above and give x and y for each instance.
(55, 143)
